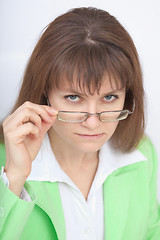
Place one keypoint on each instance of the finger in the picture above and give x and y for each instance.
(53, 112)
(26, 114)
(38, 108)
(46, 126)
(24, 117)
(45, 112)
(42, 110)
(21, 132)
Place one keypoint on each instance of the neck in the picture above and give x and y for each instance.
(79, 166)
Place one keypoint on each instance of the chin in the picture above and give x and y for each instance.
(90, 147)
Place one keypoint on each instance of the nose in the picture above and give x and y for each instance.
(92, 122)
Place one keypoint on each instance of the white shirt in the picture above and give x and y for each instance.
(84, 219)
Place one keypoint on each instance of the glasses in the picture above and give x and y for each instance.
(105, 116)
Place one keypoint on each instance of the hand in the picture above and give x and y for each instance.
(24, 131)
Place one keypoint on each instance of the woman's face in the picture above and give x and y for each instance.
(90, 135)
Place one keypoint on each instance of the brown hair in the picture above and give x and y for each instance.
(86, 44)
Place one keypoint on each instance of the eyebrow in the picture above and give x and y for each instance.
(70, 90)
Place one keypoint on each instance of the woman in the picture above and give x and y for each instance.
(78, 165)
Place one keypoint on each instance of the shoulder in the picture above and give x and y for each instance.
(147, 148)
(145, 145)
(2, 155)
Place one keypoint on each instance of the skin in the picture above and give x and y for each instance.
(82, 141)
(25, 129)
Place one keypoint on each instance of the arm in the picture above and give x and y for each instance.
(23, 133)
(14, 212)
(24, 194)
(154, 227)
(154, 224)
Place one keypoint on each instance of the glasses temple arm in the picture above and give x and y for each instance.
(133, 108)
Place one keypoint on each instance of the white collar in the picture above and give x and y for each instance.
(45, 167)
(112, 159)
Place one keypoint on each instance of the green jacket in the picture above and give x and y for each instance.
(130, 205)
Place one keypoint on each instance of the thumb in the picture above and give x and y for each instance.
(47, 125)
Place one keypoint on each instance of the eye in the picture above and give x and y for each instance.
(72, 98)
(110, 98)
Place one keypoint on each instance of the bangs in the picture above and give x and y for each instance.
(86, 66)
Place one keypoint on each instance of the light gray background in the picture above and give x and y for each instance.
(22, 21)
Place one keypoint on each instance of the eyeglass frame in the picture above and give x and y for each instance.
(99, 114)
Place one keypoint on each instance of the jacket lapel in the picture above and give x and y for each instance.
(48, 198)
(117, 190)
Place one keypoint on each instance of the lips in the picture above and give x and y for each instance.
(95, 134)
(91, 136)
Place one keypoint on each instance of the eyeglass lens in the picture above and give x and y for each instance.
(104, 116)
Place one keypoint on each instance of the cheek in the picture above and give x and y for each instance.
(110, 128)
(62, 128)
(58, 125)
(55, 105)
